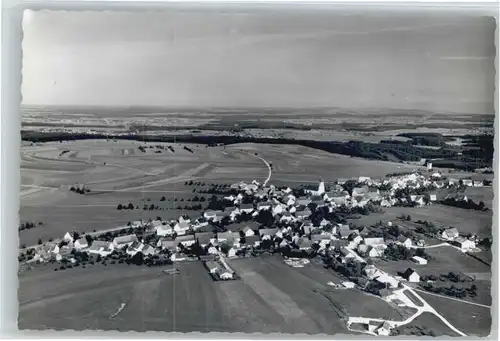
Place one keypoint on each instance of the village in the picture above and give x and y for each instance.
(301, 224)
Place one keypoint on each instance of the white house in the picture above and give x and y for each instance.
(134, 248)
(68, 237)
(122, 241)
(450, 234)
(374, 241)
(181, 228)
(419, 260)
(432, 197)
(384, 330)
(164, 230)
(405, 241)
(390, 281)
(465, 244)
(101, 248)
(376, 251)
(411, 276)
(81, 244)
(248, 231)
(231, 252)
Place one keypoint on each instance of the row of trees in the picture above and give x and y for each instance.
(466, 204)
(29, 225)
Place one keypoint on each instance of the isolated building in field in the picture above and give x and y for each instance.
(419, 260)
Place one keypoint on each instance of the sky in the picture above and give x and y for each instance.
(250, 58)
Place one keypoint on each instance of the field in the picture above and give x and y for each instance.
(446, 259)
(466, 221)
(118, 172)
(428, 323)
(472, 320)
(270, 297)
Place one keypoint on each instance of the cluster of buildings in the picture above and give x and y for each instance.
(288, 212)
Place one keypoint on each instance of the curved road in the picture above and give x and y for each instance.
(267, 164)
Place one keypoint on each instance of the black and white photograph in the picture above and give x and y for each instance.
(257, 169)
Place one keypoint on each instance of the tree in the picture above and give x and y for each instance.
(119, 207)
(89, 239)
(163, 198)
(40, 241)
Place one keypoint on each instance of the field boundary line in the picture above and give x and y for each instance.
(453, 299)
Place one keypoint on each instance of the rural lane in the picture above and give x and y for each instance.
(268, 167)
(454, 299)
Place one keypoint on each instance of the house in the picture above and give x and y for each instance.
(344, 232)
(167, 244)
(305, 244)
(164, 230)
(184, 219)
(411, 276)
(181, 228)
(450, 234)
(432, 197)
(264, 206)
(202, 221)
(384, 330)
(302, 214)
(342, 181)
(478, 183)
(419, 200)
(303, 201)
(81, 244)
(68, 237)
(354, 240)
(210, 215)
(349, 285)
(374, 241)
(248, 231)
(373, 194)
(101, 248)
(363, 179)
(186, 240)
(278, 209)
(261, 194)
(405, 241)
(148, 250)
(387, 280)
(231, 252)
(363, 249)
(465, 244)
(121, 242)
(287, 217)
(225, 237)
(322, 239)
(419, 260)
(467, 182)
(308, 226)
(246, 208)
(135, 247)
(204, 238)
(372, 272)
(267, 233)
(359, 191)
(252, 241)
(212, 266)
(376, 251)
